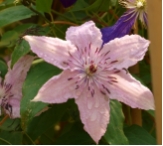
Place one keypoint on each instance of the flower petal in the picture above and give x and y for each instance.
(94, 113)
(131, 92)
(15, 103)
(121, 28)
(125, 52)
(85, 35)
(58, 89)
(16, 76)
(52, 50)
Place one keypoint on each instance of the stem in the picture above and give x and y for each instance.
(5, 141)
(3, 120)
(44, 18)
(29, 138)
(51, 17)
(62, 16)
(61, 22)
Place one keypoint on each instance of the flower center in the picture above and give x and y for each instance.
(140, 4)
(91, 70)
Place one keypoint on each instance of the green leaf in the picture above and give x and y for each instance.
(27, 140)
(7, 2)
(46, 120)
(113, 2)
(139, 136)
(145, 73)
(114, 133)
(10, 138)
(151, 112)
(149, 123)
(79, 5)
(3, 68)
(13, 14)
(99, 5)
(10, 124)
(44, 5)
(21, 49)
(75, 136)
(8, 38)
(39, 73)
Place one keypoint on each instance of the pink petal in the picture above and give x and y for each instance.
(94, 113)
(17, 75)
(52, 50)
(15, 108)
(85, 36)
(131, 92)
(125, 52)
(58, 89)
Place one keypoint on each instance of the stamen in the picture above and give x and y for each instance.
(92, 69)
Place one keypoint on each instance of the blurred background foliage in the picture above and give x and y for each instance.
(60, 123)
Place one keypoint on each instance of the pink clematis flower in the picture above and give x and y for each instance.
(92, 75)
(11, 87)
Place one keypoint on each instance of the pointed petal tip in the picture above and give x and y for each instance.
(36, 99)
(27, 37)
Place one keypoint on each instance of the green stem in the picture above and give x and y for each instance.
(44, 18)
(67, 18)
(29, 138)
(5, 141)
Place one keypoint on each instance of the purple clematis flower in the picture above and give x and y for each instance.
(67, 3)
(92, 75)
(11, 87)
(136, 9)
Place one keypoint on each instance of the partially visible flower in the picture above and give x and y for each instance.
(67, 3)
(11, 87)
(136, 9)
(92, 75)
(16, 1)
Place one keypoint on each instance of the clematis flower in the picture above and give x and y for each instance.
(92, 75)
(11, 86)
(136, 9)
(67, 3)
